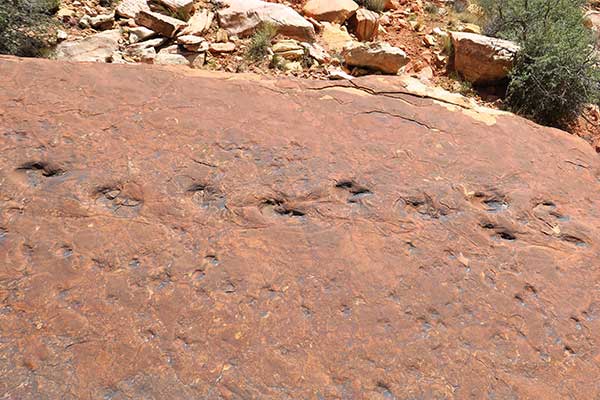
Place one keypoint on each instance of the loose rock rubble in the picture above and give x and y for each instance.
(311, 40)
(424, 39)
(327, 36)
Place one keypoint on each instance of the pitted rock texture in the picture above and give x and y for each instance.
(167, 234)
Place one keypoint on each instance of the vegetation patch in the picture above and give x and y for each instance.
(373, 5)
(555, 74)
(261, 41)
(26, 26)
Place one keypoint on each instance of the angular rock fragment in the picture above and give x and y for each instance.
(482, 59)
(193, 43)
(102, 22)
(199, 23)
(131, 8)
(289, 49)
(218, 48)
(337, 11)
(377, 56)
(140, 33)
(96, 48)
(143, 50)
(317, 52)
(365, 25)
(335, 37)
(159, 23)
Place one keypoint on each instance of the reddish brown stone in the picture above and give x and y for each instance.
(169, 234)
(365, 24)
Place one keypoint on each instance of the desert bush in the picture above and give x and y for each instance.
(261, 41)
(26, 26)
(373, 5)
(431, 8)
(555, 73)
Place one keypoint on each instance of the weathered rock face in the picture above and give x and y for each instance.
(289, 49)
(199, 23)
(131, 8)
(365, 24)
(97, 48)
(378, 56)
(140, 33)
(167, 234)
(243, 17)
(102, 22)
(335, 37)
(592, 20)
(482, 59)
(159, 23)
(337, 11)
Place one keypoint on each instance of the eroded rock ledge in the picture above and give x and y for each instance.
(171, 234)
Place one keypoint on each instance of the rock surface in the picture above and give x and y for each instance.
(289, 49)
(378, 56)
(243, 17)
(169, 234)
(140, 33)
(199, 23)
(102, 22)
(337, 11)
(97, 48)
(591, 20)
(365, 25)
(335, 37)
(481, 59)
(131, 8)
(160, 23)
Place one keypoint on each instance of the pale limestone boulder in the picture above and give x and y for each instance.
(288, 49)
(159, 23)
(102, 22)
(335, 37)
(131, 8)
(243, 17)
(95, 48)
(217, 48)
(330, 10)
(481, 59)
(316, 52)
(140, 33)
(376, 56)
(193, 43)
(199, 23)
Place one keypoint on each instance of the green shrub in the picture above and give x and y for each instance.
(373, 5)
(261, 41)
(431, 8)
(555, 73)
(26, 26)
